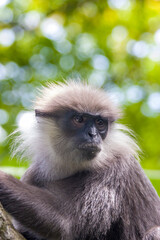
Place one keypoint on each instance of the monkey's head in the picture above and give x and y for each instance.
(76, 118)
(73, 129)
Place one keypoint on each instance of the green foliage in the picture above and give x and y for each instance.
(112, 44)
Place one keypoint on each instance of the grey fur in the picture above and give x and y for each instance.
(62, 196)
(152, 234)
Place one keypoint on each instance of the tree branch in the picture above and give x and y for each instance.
(7, 231)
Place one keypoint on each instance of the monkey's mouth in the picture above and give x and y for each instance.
(89, 149)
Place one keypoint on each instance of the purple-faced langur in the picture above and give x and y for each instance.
(84, 182)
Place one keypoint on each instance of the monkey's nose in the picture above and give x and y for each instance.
(92, 132)
(92, 135)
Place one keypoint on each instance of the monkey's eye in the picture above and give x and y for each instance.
(78, 120)
(100, 124)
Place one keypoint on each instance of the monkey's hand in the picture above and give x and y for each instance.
(30, 205)
(3, 185)
(6, 183)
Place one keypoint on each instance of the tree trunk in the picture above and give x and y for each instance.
(7, 231)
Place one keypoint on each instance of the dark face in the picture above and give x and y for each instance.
(86, 130)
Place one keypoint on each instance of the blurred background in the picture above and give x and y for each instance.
(113, 44)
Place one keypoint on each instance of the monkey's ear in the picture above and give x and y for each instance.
(39, 113)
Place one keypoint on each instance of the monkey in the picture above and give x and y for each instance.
(85, 181)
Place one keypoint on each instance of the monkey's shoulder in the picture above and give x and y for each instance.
(119, 179)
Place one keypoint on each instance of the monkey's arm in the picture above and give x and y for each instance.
(35, 208)
(143, 204)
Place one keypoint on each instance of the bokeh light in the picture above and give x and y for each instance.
(4, 2)
(135, 94)
(85, 46)
(52, 29)
(30, 20)
(119, 4)
(6, 15)
(100, 62)
(3, 134)
(4, 116)
(154, 101)
(25, 120)
(7, 37)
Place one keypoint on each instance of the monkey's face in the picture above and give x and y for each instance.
(76, 117)
(86, 131)
(80, 133)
